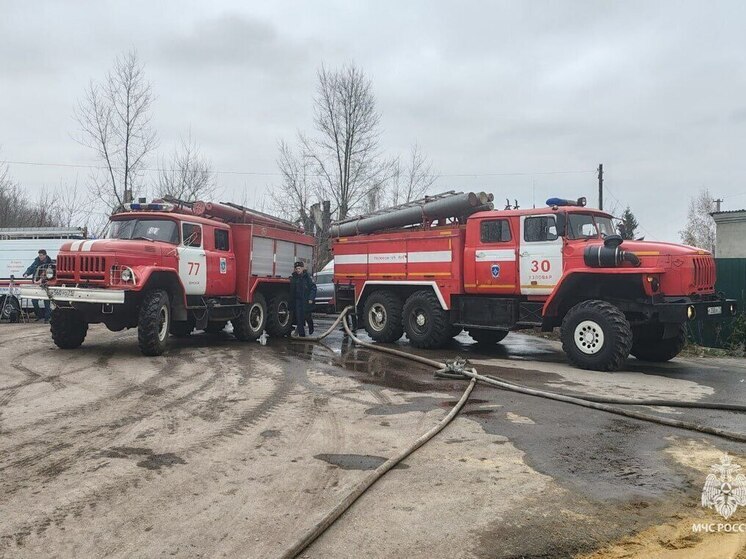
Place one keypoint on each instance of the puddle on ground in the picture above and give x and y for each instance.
(356, 461)
(151, 462)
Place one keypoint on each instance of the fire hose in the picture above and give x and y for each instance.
(459, 369)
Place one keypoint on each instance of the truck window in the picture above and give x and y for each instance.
(540, 228)
(581, 226)
(495, 231)
(221, 240)
(191, 235)
(153, 229)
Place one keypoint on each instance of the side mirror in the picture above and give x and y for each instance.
(561, 224)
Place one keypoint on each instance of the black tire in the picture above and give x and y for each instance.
(252, 321)
(11, 308)
(382, 316)
(648, 343)
(487, 337)
(68, 328)
(215, 327)
(154, 323)
(182, 328)
(425, 322)
(596, 335)
(279, 315)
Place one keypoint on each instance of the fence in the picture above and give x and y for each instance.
(731, 281)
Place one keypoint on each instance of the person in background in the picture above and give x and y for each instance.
(302, 295)
(41, 261)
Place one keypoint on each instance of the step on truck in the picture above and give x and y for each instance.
(172, 268)
(434, 267)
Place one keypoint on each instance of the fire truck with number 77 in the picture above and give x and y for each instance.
(432, 267)
(172, 268)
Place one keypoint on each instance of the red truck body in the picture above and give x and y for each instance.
(496, 271)
(203, 266)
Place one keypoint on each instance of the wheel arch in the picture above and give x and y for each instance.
(170, 282)
(582, 286)
(402, 289)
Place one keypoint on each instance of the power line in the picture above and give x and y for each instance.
(268, 174)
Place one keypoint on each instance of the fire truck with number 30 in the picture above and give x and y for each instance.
(432, 267)
(172, 268)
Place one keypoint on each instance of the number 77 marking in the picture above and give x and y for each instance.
(193, 268)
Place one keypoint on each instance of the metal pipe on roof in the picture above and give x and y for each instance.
(428, 210)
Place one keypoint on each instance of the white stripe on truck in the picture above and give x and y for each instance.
(501, 255)
(419, 257)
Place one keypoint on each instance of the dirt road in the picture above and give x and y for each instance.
(222, 449)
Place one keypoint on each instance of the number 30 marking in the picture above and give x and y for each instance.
(545, 265)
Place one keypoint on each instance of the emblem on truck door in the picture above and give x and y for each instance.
(495, 270)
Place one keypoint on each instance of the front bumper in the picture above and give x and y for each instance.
(690, 310)
(74, 294)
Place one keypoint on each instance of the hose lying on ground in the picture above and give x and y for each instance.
(458, 370)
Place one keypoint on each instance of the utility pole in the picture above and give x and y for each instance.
(601, 186)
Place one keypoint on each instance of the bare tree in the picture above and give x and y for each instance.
(345, 149)
(114, 118)
(412, 180)
(700, 227)
(188, 175)
(295, 194)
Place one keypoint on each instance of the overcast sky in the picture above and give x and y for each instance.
(656, 91)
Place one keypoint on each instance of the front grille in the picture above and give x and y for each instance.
(66, 267)
(704, 273)
(81, 268)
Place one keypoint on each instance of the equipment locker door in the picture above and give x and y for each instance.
(541, 254)
(192, 260)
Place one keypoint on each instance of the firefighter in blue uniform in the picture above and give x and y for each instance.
(302, 296)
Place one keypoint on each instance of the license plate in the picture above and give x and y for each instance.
(62, 293)
(714, 310)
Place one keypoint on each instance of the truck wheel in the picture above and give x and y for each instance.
(487, 337)
(596, 335)
(382, 316)
(11, 308)
(648, 343)
(154, 323)
(253, 320)
(425, 322)
(279, 316)
(68, 328)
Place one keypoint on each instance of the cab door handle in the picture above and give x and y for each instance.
(524, 254)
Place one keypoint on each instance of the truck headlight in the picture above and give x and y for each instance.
(49, 273)
(126, 274)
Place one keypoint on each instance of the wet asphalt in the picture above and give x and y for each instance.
(607, 461)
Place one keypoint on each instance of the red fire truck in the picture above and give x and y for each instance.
(435, 266)
(173, 268)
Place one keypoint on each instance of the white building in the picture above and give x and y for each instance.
(730, 234)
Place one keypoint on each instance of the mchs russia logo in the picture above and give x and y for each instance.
(725, 488)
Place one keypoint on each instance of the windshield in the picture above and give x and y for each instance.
(588, 226)
(154, 229)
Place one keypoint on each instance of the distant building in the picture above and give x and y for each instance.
(730, 234)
